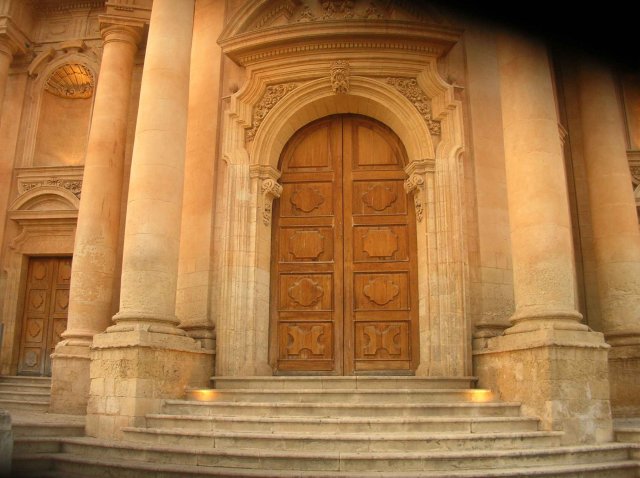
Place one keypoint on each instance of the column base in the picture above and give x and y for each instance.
(559, 376)
(70, 379)
(624, 370)
(133, 371)
(205, 334)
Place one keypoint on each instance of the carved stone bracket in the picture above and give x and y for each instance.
(269, 188)
(270, 98)
(416, 183)
(410, 89)
(340, 77)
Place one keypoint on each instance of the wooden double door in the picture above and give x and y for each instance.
(344, 275)
(45, 313)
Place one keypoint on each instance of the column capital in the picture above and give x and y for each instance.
(121, 29)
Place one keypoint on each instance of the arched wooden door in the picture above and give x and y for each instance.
(344, 280)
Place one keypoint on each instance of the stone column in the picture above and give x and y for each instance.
(6, 165)
(193, 306)
(542, 247)
(616, 237)
(145, 357)
(536, 361)
(98, 230)
(6, 56)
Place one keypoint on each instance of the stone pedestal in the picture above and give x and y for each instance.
(133, 372)
(559, 376)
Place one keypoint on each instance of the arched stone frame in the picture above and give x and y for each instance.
(249, 186)
(46, 217)
(39, 70)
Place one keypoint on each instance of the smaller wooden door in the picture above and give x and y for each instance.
(45, 313)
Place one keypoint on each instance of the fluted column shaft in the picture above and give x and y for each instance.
(543, 263)
(152, 230)
(616, 237)
(97, 233)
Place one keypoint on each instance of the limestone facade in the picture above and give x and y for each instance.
(145, 140)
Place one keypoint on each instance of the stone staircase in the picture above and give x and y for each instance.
(25, 393)
(330, 427)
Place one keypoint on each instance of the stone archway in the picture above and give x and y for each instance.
(302, 63)
(253, 138)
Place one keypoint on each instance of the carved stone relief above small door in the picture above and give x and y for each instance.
(344, 281)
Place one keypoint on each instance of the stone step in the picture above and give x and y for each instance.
(31, 445)
(395, 396)
(46, 430)
(134, 457)
(344, 424)
(39, 406)
(350, 382)
(284, 409)
(628, 435)
(31, 395)
(72, 466)
(25, 379)
(25, 387)
(343, 442)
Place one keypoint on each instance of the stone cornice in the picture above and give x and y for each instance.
(269, 43)
(127, 12)
(12, 37)
(48, 7)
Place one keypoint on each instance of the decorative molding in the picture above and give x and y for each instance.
(333, 45)
(270, 98)
(306, 15)
(410, 89)
(74, 186)
(72, 81)
(372, 11)
(337, 9)
(286, 8)
(340, 72)
(48, 7)
(69, 179)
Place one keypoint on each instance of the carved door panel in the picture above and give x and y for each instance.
(342, 295)
(306, 292)
(45, 313)
(380, 276)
